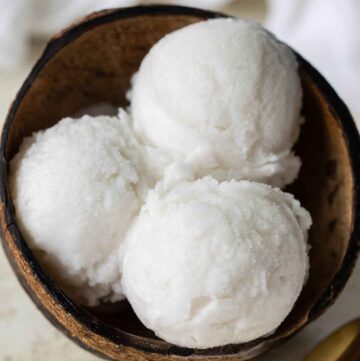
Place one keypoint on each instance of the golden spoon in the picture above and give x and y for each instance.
(341, 345)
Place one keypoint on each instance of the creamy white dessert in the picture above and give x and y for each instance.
(223, 96)
(157, 205)
(75, 190)
(208, 264)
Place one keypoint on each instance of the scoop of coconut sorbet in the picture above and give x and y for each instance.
(75, 193)
(223, 96)
(208, 264)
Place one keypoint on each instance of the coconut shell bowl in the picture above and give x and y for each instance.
(93, 62)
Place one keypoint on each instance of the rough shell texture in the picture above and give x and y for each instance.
(92, 62)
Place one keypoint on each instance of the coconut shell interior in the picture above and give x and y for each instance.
(93, 62)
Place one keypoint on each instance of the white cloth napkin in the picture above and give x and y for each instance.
(327, 33)
(14, 29)
(22, 19)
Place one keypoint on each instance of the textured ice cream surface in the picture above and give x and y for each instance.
(223, 96)
(75, 188)
(208, 264)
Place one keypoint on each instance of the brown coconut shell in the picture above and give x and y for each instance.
(93, 62)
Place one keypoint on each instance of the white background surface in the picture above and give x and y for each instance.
(25, 335)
